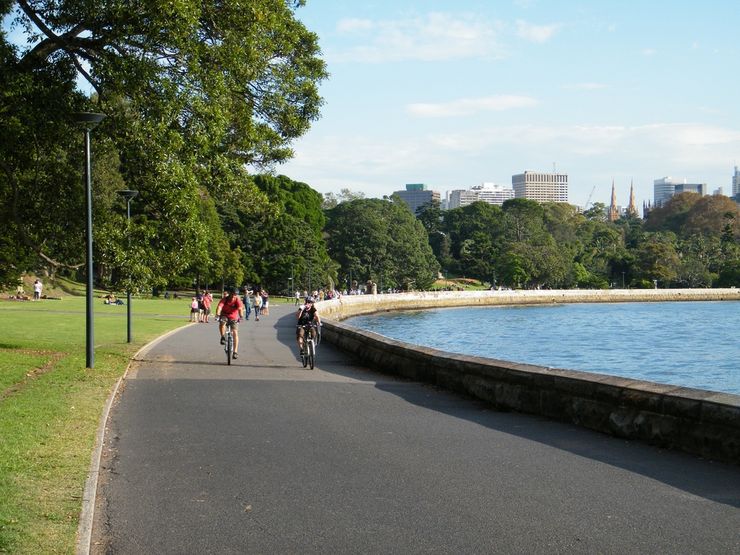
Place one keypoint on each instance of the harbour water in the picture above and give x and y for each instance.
(690, 344)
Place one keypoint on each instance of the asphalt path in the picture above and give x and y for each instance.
(265, 456)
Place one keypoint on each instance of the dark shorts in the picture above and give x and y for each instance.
(233, 323)
(300, 331)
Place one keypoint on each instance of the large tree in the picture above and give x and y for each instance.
(382, 241)
(196, 92)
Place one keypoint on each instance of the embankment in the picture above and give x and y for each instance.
(701, 422)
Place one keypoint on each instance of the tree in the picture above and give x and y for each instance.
(672, 215)
(345, 195)
(382, 241)
(279, 230)
(195, 91)
(657, 258)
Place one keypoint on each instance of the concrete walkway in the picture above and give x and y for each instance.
(267, 457)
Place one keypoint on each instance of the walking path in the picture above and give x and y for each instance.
(267, 457)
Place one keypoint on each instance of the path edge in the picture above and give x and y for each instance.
(89, 495)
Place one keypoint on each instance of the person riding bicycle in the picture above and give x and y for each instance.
(230, 308)
(307, 314)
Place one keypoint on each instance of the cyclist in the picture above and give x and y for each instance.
(230, 308)
(306, 314)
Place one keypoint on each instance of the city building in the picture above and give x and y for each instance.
(417, 195)
(665, 187)
(542, 187)
(485, 192)
(736, 183)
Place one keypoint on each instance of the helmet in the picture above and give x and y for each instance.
(233, 290)
(310, 299)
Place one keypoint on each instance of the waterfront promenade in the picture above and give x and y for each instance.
(266, 457)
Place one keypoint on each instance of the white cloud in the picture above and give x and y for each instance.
(470, 106)
(431, 37)
(536, 33)
(649, 51)
(351, 25)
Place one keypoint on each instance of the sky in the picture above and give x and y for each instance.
(456, 93)
(460, 92)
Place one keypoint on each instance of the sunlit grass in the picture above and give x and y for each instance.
(50, 406)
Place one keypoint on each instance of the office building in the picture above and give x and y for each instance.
(736, 183)
(485, 192)
(542, 187)
(417, 195)
(665, 187)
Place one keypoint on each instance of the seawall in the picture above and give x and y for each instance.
(701, 422)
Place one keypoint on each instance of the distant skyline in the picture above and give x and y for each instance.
(454, 94)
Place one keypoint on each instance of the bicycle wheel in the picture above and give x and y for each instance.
(229, 347)
(304, 356)
(311, 353)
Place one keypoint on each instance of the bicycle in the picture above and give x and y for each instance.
(229, 340)
(308, 353)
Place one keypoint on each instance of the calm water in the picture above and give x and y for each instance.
(692, 344)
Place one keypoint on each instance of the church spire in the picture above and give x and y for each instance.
(632, 209)
(613, 213)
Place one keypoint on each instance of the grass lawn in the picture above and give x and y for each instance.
(50, 406)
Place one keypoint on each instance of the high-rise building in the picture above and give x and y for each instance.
(417, 195)
(485, 192)
(665, 187)
(736, 183)
(542, 187)
(461, 197)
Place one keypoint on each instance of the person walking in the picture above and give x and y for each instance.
(257, 306)
(207, 302)
(265, 302)
(247, 301)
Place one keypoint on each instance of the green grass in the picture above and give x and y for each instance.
(50, 406)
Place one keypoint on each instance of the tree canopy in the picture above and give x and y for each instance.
(381, 241)
(196, 92)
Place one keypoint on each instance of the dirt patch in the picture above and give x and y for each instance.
(55, 357)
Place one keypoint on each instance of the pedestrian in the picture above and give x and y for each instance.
(257, 306)
(37, 286)
(207, 301)
(265, 302)
(247, 301)
(297, 297)
(194, 310)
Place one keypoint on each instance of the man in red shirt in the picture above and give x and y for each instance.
(230, 308)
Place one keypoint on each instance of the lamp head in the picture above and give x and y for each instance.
(88, 119)
(128, 194)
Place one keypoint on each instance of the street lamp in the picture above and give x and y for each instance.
(129, 195)
(88, 120)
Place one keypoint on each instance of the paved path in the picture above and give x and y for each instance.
(266, 457)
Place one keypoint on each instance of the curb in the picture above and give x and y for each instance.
(87, 513)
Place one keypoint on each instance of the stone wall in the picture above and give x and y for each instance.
(700, 422)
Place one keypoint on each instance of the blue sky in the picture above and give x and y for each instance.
(453, 94)
(456, 93)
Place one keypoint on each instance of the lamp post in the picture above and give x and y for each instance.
(88, 120)
(129, 195)
(622, 279)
